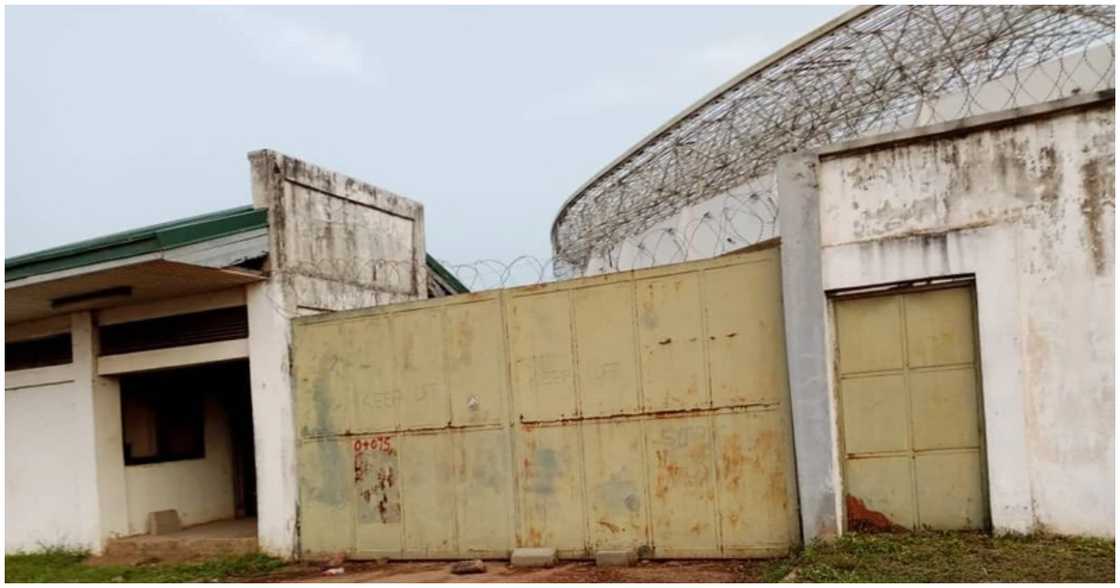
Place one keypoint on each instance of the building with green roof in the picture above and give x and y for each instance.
(147, 380)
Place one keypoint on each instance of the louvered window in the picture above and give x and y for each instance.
(208, 326)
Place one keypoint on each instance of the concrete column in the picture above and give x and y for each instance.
(273, 423)
(104, 503)
(805, 307)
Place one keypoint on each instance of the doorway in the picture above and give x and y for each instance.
(910, 404)
(188, 443)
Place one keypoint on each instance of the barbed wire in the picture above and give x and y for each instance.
(704, 185)
(886, 68)
(732, 222)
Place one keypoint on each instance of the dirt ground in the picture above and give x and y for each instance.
(500, 571)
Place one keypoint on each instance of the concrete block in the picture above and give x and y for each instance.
(163, 522)
(533, 557)
(618, 558)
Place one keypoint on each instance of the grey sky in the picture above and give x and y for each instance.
(126, 116)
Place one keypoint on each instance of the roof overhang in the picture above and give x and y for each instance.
(141, 281)
(200, 267)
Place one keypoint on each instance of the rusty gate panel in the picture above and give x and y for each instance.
(427, 496)
(643, 410)
(475, 363)
(550, 472)
(541, 349)
(377, 495)
(322, 397)
(756, 516)
(617, 490)
(682, 478)
(751, 327)
(485, 492)
(672, 347)
(417, 340)
(373, 389)
(327, 495)
(605, 339)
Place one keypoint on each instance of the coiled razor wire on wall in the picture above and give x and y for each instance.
(728, 224)
(872, 71)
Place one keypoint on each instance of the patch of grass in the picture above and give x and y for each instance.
(950, 557)
(67, 565)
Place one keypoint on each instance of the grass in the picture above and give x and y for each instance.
(855, 557)
(949, 557)
(65, 565)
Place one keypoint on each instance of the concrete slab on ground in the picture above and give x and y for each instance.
(533, 557)
(215, 539)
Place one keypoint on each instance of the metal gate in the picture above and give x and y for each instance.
(644, 409)
(910, 404)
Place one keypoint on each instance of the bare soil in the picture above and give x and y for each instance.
(719, 571)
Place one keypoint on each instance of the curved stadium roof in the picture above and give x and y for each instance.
(872, 70)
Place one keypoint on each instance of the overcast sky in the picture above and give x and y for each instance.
(491, 117)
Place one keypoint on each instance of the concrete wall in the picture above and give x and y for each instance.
(42, 482)
(65, 472)
(200, 489)
(748, 213)
(335, 243)
(1027, 206)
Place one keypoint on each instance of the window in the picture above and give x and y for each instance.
(33, 353)
(162, 417)
(220, 324)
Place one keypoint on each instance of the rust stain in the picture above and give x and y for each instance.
(534, 539)
(665, 473)
(613, 528)
(731, 461)
(696, 528)
(861, 518)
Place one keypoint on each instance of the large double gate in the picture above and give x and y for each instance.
(645, 409)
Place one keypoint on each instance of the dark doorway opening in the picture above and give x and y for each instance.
(175, 414)
(240, 410)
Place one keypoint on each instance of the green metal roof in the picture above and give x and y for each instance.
(159, 237)
(447, 276)
(140, 241)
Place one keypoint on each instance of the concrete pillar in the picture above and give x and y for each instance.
(806, 315)
(273, 424)
(104, 503)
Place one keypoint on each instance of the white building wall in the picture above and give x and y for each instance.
(1029, 209)
(43, 481)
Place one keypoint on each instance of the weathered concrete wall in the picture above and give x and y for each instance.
(1028, 208)
(748, 213)
(335, 243)
(200, 489)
